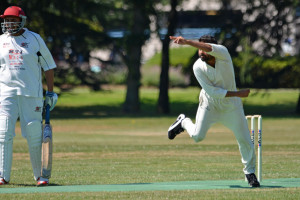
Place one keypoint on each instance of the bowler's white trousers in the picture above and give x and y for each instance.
(234, 119)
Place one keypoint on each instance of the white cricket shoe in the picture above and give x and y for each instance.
(176, 127)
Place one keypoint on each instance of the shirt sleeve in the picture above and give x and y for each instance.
(45, 58)
(220, 52)
(214, 92)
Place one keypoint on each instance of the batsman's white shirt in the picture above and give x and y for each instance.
(21, 67)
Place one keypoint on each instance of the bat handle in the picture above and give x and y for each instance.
(47, 114)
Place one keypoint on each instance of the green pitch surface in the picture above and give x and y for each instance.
(184, 185)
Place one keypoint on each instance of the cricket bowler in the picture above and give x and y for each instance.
(23, 56)
(219, 101)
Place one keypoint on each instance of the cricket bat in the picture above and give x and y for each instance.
(47, 145)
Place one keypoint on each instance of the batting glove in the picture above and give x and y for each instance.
(51, 99)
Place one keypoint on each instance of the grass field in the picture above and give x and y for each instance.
(95, 144)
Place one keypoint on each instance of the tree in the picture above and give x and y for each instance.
(137, 17)
(298, 105)
(266, 23)
(163, 99)
(71, 30)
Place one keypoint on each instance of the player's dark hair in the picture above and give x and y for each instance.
(208, 39)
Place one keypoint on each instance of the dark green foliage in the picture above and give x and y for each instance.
(71, 29)
(256, 71)
(261, 72)
(267, 21)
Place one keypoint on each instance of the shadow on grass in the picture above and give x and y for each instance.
(148, 109)
(274, 111)
(33, 185)
(248, 187)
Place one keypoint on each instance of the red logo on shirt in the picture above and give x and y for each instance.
(24, 45)
(37, 109)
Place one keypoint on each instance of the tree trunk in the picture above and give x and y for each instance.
(132, 101)
(163, 99)
(298, 105)
(134, 44)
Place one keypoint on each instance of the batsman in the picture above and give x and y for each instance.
(23, 57)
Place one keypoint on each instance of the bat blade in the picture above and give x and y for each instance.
(47, 151)
(47, 147)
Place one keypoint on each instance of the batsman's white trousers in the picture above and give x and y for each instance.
(234, 120)
(29, 111)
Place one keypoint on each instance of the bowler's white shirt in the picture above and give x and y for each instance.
(21, 67)
(216, 81)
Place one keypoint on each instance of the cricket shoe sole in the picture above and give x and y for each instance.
(176, 127)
